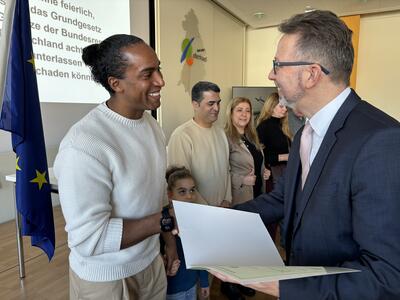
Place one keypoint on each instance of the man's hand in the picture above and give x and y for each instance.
(270, 288)
(171, 211)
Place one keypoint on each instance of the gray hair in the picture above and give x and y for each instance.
(325, 38)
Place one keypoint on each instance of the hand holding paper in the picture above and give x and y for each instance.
(235, 244)
(270, 288)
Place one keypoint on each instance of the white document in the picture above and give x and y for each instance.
(234, 243)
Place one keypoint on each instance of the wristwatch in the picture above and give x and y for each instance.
(166, 222)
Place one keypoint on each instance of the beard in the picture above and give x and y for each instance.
(283, 101)
(292, 101)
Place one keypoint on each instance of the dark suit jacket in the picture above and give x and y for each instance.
(349, 214)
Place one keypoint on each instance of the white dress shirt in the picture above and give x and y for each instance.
(322, 119)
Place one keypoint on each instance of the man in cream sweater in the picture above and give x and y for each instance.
(111, 178)
(203, 148)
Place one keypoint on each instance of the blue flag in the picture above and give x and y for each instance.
(21, 116)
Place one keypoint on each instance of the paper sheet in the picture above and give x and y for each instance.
(236, 244)
(250, 274)
(215, 236)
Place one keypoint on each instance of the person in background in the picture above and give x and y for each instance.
(274, 134)
(245, 154)
(202, 147)
(339, 196)
(111, 180)
(245, 158)
(182, 286)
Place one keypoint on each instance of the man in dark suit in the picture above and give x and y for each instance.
(346, 210)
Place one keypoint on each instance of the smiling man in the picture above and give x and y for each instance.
(339, 197)
(111, 178)
(203, 148)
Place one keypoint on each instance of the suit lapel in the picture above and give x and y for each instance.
(291, 177)
(322, 155)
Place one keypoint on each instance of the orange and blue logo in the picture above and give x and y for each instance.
(187, 51)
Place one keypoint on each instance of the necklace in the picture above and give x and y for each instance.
(245, 141)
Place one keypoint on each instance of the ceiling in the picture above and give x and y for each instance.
(277, 10)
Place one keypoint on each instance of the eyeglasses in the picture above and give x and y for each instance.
(278, 64)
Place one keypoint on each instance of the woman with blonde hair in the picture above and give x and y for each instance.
(274, 134)
(245, 153)
(247, 168)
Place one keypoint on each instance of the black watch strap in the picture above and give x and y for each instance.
(165, 212)
(166, 222)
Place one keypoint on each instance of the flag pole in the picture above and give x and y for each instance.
(20, 243)
(21, 115)
(4, 50)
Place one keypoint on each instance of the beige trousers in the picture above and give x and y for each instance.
(151, 283)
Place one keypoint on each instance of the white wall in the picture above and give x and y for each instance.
(260, 51)
(214, 30)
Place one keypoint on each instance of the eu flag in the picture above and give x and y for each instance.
(21, 116)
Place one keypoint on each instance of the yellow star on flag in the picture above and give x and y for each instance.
(40, 179)
(16, 164)
(32, 61)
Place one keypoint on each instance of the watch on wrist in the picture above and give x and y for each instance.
(166, 222)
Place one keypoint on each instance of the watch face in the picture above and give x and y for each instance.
(167, 224)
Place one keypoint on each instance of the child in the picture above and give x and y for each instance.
(183, 285)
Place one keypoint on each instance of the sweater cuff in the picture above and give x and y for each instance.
(112, 242)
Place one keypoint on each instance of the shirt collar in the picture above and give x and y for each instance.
(322, 119)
